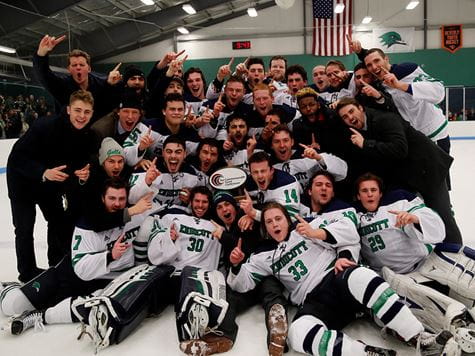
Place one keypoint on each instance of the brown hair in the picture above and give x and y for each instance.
(273, 205)
(79, 53)
(346, 101)
(366, 177)
(82, 95)
(335, 62)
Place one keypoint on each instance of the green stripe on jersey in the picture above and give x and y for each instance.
(420, 206)
(324, 341)
(429, 248)
(383, 298)
(78, 256)
(257, 277)
(441, 127)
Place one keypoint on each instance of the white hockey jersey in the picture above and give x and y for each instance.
(89, 249)
(131, 144)
(283, 189)
(303, 168)
(166, 187)
(195, 245)
(401, 249)
(419, 107)
(300, 263)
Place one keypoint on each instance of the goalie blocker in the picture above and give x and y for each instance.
(113, 314)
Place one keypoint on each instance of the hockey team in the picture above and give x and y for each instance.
(345, 212)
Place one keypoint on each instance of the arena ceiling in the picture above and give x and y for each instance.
(105, 28)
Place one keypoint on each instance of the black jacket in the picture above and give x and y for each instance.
(399, 153)
(50, 142)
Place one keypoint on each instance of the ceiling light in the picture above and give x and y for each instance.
(189, 9)
(7, 49)
(366, 20)
(412, 5)
(148, 2)
(252, 12)
(183, 30)
(339, 8)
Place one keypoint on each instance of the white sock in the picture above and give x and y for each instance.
(60, 313)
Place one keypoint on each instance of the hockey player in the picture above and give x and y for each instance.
(170, 180)
(302, 164)
(397, 231)
(305, 260)
(296, 77)
(96, 258)
(153, 137)
(269, 292)
(208, 158)
(184, 240)
(392, 148)
(238, 146)
(342, 82)
(269, 184)
(415, 94)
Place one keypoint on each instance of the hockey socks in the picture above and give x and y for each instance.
(373, 292)
(60, 313)
(13, 301)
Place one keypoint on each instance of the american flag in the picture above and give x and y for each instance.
(330, 29)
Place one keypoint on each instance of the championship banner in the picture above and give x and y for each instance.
(451, 37)
(391, 40)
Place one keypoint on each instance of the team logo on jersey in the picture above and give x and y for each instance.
(286, 167)
(36, 285)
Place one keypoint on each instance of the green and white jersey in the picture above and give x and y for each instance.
(418, 105)
(131, 144)
(283, 189)
(300, 263)
(167, 186)
(195, 245)
(303, 168)
(401, 249)
(89, 249)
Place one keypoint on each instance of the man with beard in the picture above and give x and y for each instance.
(118, 125)
(61, 86)
(320, 79)
(94, 258)
(276, 75)
(208, 158)
(170, 180)
(302, 164)
(238, 146)
(296, 79)
(212, 122)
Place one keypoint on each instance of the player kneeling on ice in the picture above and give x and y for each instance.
(397, 232)
(304, 261)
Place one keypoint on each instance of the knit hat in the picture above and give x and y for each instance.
(109, 147)
(223, 195)
(178, 80)
(130, 99)
(132, 71)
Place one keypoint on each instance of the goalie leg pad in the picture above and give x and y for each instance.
(202, 303)
(434, 310)
(122, 305)
(452, 265)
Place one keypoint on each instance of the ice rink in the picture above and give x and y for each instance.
(157, 336)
